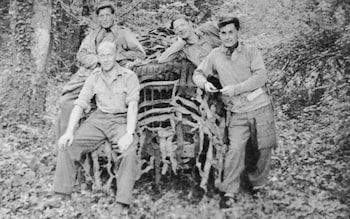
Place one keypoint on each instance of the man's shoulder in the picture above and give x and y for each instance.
(215, 51)
(210, 32)
(248, 48)
(93, 32)
(120, 29)
(127, 72)
(209, 27)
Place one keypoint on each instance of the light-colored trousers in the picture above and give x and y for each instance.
(241, 129)
(98, 128)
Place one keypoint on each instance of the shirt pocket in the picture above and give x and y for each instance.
(119, 94)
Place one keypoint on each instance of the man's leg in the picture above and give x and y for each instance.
(128, 168)
(126, 175)
(234, 159)
(266, 140)
(87, 138)
(259, 177)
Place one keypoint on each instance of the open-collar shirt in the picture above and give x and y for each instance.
(112, 93)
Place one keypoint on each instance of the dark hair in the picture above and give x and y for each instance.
(228, 20)
(105, 6)
(177, 17)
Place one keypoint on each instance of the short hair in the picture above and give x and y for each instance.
(178, 17)
(103, 6)
(108, 44)
(228, 20)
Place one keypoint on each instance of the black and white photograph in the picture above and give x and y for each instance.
(174, 109)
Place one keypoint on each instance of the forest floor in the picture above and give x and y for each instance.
(310, 177)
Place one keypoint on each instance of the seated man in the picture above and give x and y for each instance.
(129, 49)
(241, 71)
(116, 90)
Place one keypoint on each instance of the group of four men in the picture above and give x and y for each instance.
(214, 49)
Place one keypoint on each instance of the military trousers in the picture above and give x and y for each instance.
(99, 127)
(258, 128)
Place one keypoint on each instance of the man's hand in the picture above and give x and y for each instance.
(210, 88)
(125, 141)
(180, 43)
(130, 65)
(65, 141)
(228, 90)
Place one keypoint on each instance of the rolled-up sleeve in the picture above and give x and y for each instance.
(258, 77)
(86, 94)
(173, 52)
(204, 69)
(132, 89)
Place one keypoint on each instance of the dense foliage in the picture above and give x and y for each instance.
(307, 46)
(315, 68)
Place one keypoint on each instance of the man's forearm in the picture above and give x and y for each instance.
(88, 60)
(199, 78)
(74, 118)
(131, 54)
(169, 53)
(257, 80)
(131, 117)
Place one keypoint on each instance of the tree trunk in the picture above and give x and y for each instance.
(23, 95)
(41, 23)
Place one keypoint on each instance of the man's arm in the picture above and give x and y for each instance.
(131, 48)
(131, 119)
(74, 118)
(67, 138)
(86, 55)
(81, 104)
(170, 53)
(258, 77)
(132, 98)
(204, 69)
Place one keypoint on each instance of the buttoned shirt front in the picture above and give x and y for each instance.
(244, 69)
(112, 94)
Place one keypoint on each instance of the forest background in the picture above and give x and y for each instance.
(306, 47)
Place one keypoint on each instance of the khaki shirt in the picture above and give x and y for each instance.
(208, 35)
(112, 94)
(244, 68)
(128, 46)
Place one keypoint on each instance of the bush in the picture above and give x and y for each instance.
(315, 68)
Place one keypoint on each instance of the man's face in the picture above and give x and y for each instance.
(228, 35)
(105, 18)
(107, 57)
(183, 28)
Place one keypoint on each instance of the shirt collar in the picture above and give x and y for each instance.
(117, 71)
(238, 49)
